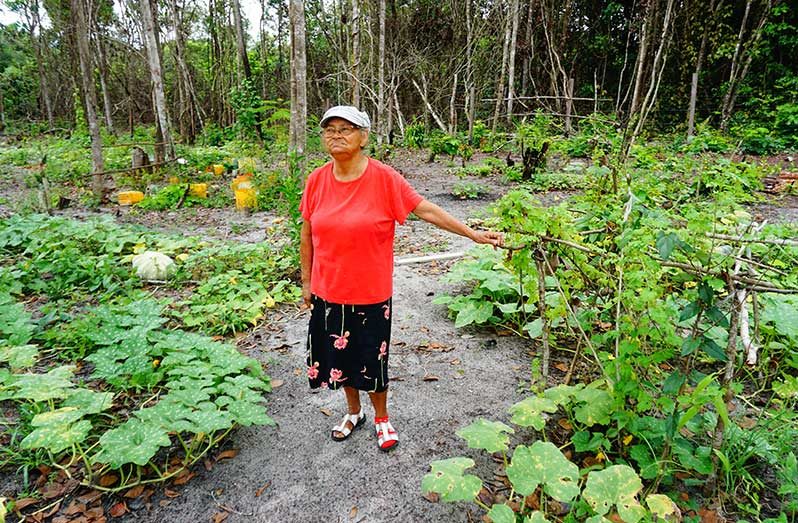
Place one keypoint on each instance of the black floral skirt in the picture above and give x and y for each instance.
(347, 345)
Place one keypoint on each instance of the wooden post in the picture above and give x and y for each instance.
(691, 112)
(595, 91)
(569, 106)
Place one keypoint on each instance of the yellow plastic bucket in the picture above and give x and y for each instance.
(245, 198)
(200, 190)
(130, 197)
(241, 182)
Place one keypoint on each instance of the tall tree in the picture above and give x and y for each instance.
(511, 60)
(299, 94)
(241, 41)
(79, 12)
(382, 128)
(508, 29)
(743, 56)
(355, 53)
(152, 46)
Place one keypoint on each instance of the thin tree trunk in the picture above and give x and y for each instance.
(713, 8)
(103, 69)
(382, 129)
(641, 60)
(38, 46)
(241, 42)
(89, 95)
(508, 27)
(299, 108)
(470, 86)
(356, 53)
(741, 51)
(154, 60)
(453, 108)
(511, 61)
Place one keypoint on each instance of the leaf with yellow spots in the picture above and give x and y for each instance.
(529, 412)
(616, 486)
(447, 479)
(488, 435)
(543, 464)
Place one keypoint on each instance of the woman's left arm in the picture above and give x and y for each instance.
(429, 212)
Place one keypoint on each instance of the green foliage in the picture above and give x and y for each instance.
(759, 140)
(415, 136)
(644, 281)
(248, 108)
(170, 196)
(468, 190)
(707, 139)
(787, 123)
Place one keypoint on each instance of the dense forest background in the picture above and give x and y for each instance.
(444, 64)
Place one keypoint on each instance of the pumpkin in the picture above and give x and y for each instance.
(153, 266)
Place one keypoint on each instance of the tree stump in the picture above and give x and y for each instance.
(140, 161)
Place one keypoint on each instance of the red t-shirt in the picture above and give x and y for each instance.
(352, 227)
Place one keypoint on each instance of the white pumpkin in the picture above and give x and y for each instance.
(153, 266)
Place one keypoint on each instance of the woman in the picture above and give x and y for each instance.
(350, 207)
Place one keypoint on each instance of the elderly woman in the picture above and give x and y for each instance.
(350, 207)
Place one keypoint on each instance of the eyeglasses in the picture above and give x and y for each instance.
(330, 132)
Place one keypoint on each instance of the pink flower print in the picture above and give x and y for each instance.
(336, 376)
(313, 372)
(383, 351)
(341, 342)
(387, 312)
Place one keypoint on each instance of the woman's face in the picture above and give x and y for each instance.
(343, 139)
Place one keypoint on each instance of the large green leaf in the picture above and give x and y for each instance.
(89, 401)
(57, 430)
(447, 479)
(474, 312)
(616, 486)
(534, 328)
(55, 384)
(562, 394)
(19, 356)
(488, 435)
(543, 464)
(536, 517)
(595, 405)
(782, 313)
(661, 506)
(529, 412)
(132, 442)
(501, 513)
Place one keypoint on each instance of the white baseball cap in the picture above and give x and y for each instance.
(348, 113)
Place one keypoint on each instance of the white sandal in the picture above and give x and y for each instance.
(355, 419)
(387, 438)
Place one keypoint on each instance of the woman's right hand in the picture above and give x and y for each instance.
(306, 295)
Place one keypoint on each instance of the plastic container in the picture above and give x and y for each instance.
(200, 190)
(218, 169)
(241, 182)
(130, 197)
(245, 198)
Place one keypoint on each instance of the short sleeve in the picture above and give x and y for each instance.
(307, 204)
(404, 198)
